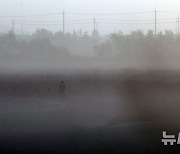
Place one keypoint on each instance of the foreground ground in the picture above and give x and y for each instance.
(110, 114)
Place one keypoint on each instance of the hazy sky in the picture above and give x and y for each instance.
(105, 23)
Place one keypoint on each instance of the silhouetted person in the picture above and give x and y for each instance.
(62, 88)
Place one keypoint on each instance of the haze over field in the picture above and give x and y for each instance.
(106, 35)
(35, 35)
(88, 76)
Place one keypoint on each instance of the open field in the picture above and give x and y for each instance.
(98, 112)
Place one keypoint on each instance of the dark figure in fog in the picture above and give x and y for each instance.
(62, 88)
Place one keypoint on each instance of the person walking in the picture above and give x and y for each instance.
(62, 88)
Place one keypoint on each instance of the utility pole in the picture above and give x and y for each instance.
(13, 26)
(22, 28)
(94, 29)
(178, 25)
(96, 26)
(63, 25)
(155, 22)
(115, 31)
(176, 30)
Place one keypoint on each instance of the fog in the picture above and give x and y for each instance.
(91, 76)
(48, 52)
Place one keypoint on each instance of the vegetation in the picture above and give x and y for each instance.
(45, 46)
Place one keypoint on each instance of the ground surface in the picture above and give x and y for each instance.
(114, 114)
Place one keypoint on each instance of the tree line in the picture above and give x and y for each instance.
(46, 44)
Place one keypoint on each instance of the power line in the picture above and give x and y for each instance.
(76, 13)
(134, 23)
(51, 24)
(12, 16)
(5, 23)
(168, 12)
(38, 22)
(46, 22)
(97, 21)
(34, 24)
(94, 14)
(79, 23)
(136, 20)
(73, 22)
(57, 13)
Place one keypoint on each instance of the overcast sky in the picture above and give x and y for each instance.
(105, 23)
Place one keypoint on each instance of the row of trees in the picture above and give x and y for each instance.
(140, 43)
(44, 43)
